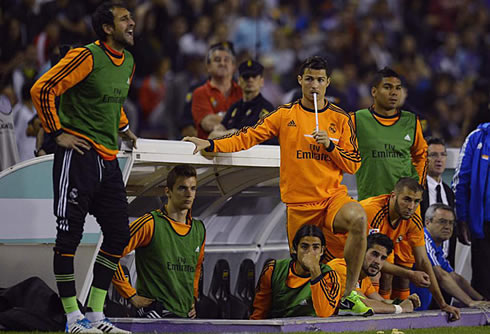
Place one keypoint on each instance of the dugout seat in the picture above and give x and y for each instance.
(206, 308)
(245, 284)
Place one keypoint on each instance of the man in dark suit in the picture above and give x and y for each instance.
(437, 191)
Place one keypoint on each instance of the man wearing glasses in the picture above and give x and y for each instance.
(439, 226)
(438, 191)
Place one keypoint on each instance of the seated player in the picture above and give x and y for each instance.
(439, 226)
(169, 246)
(379, 247)
(395, 215)
(301, 286)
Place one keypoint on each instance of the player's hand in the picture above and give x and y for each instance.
(420, 279)
(311, 261)
(192, 312)
(140, 301)
(129, 136)
(463, 233)
(407, 306)
(67, 140)
(201, 144)
(321, 137)
(452, 312)
(414, 298)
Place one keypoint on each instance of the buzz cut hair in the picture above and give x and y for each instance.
(410, 183)
(314, 63)
(384, 73)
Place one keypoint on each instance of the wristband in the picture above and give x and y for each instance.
(398, 309)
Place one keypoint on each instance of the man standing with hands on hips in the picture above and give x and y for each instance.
(92, 82)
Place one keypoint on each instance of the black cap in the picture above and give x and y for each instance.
(250, 68)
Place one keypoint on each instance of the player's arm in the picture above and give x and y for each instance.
(244, 138)
(141, 233)
(197, 273)
(448, 284)
(263, 292)
(419, 278)
(345, 153)
(422, 262)
(382, 306)
(418, 152)
(325, 293)
(69, 71)
(466, 286)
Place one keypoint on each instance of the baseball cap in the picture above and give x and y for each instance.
(250, 68)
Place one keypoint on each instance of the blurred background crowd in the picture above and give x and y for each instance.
(440, 47)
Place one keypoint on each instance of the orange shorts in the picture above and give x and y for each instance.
(321, 214)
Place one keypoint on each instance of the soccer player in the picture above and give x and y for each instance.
(379, 247)
(92, 82)
(395, 215)
(312, 165)
(169, 246)
(301, 286)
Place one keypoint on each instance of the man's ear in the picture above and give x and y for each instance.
(167, 192)
(108, 29)
(373, 91)
(299, 79)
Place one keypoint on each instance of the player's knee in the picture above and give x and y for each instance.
(67, 243)
(116, 241)
(357, 221)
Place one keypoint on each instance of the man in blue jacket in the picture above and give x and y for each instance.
(471, 185)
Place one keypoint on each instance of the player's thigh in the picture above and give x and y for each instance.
(345, 214)
(298, 215)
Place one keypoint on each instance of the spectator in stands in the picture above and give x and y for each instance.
(252, 107)
(439, 225)
(312, 164)
(471, 185)
(395, 215)
(23, 113)
(9, 154)
(211, 100)
(379, 247)
(168, 236)
(301, 286)
(437, 191)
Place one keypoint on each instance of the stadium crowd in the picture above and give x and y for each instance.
(441, 49)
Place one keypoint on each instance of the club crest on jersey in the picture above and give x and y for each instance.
(373, 230)
(399, 239)
(332, 128)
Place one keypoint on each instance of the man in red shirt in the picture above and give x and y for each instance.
(211, 100)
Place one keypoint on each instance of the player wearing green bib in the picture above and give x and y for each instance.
(169, 247)
(301, 286)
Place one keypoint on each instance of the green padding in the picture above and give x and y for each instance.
(34, 181)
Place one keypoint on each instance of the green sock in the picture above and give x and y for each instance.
(96, 299)
(69, 304)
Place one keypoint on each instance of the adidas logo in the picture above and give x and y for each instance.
(303, 302)
(407, 138)
(292, 123)
(197, 249)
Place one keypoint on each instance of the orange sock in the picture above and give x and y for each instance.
(385, 294)
(400, 294)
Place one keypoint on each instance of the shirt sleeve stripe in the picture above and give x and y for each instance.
(53, 81)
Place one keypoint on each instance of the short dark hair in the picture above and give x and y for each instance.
(308, 230)
(408, 182)
(103, 15)
(180, 170)
(435, 141)
(315, 63)
(380, 239)
(384, 73)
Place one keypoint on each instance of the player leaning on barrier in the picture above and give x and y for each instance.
(317, 147)
(92, 83)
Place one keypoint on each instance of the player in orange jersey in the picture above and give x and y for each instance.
(312, 166)
(379, 247)
(395, 215)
